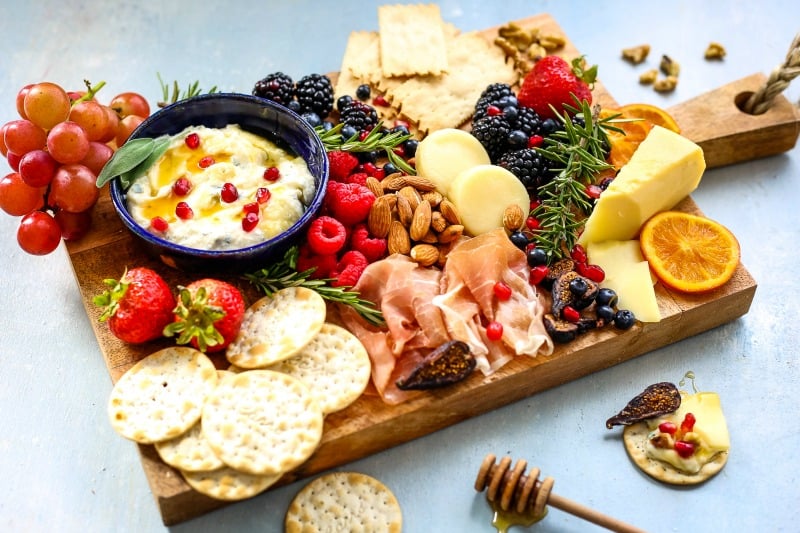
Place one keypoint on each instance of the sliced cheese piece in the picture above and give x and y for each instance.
(481, 195)
(615, 257)
(444, 154)
(634, 287)
(664, 169)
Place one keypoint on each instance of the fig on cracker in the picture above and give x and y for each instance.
(656, 400)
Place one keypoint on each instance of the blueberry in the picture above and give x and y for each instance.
(348, 131)
(605, 313)
(549, 126)
(327, 125)
(578, 286)
(400, 128)
(312, 118)
(410, 147)
(368, 157)
(389, 169)
(294, 105)
(536, 256)
(363, 92)
(519, 239)
(624, 319)
(511, 113)
(507, 101)
(517, 139)
(606, 297)
(343, 101)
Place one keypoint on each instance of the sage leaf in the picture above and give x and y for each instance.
(160, 146)
(126, 158)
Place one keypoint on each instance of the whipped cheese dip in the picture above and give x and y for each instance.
(200, 191)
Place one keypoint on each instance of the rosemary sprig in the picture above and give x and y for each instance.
(283, 274)
(176, 94)
(333, 139)
(578, 155)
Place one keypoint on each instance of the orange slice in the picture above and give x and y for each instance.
(623, 146)
(652, 114)
(689, 253)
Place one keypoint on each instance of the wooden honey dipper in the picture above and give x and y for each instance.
(526, 492)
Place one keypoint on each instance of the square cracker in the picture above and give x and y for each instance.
(361, 59)
(447, 101)
(412, 40)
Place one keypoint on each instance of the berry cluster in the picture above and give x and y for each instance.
(56, 149)
(311, 97)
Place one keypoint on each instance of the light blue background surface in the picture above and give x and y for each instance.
(64, 469)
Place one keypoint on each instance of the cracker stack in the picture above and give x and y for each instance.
(234, 433)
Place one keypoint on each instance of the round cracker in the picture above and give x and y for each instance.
(635, 438)
(161, 396)
(276, 327)
(262, 422)
(190, 451)
(228, 484)
(344, 501)
(335, 366)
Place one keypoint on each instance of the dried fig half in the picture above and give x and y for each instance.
(656, 400)
(449, 363)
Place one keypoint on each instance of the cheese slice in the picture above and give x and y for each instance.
(615, 257)
(664, 169)
(444, 154)
(634, 287)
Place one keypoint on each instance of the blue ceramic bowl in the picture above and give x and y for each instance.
(254, 114)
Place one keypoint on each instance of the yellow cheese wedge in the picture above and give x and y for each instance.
(662, 171)
(444, 154)
(481, 194)
(634, 287)
(615, 257)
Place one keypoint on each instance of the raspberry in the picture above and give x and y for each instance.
(326, 235)
(357, 177)
(349, 202)
(341, 164)
(349, 269)
(372, 248)
(323, 265)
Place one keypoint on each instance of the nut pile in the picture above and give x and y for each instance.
(415, 219)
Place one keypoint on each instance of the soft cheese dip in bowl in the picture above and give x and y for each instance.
(238, 184)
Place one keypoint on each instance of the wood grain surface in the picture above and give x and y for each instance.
(369, 426)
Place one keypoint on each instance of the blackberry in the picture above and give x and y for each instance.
(359, 115)
(278, 87)
(492, 132)
(530, 167)
(315, 94)
(493, 94)
(529, 122)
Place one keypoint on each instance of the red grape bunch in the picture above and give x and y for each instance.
(56, 149)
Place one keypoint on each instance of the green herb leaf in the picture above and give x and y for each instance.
(160, 146)
(126, 158)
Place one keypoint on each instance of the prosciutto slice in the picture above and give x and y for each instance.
(425, 307)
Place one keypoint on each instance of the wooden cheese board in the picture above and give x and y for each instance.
(369, 426)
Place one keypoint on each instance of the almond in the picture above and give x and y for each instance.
(375, 186)
(450, 212)
(430, 237)
(438, 222)
(451, 233)
(421, 222)
(404, 210)
(420, 183)
(394, 182)
(425, 254)
(411, 194)
(379, 218)
(398, 241)
(434, 198)
(513, 217)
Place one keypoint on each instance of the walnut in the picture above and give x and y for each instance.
(636, 54)
(666, 85)
(669, 66)
(715, 51)
(649, 77)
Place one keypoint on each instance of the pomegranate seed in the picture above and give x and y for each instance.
(538, 273)
(402, 123)
(493, 111)
(263, 195)
(192, 141)
(593, 191)
(494, 331)
(532, 223)
(570, 314)
(206, 162)
(667, 427)
(592, 272)
(380, 100)
(578, 254)
(252, 207)
(249, 222)
(183, 211)
(369, 168)
(272, 174)
(684, 449)
(535, 203)
(363, 135)
(159, 224)
(229, 193)
(400, 151)
(502, 291)
(182, 186)
(688, 423)
(535, 141)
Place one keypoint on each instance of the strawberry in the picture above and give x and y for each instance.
(208, 315)
(138, 306)
(554, 82)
